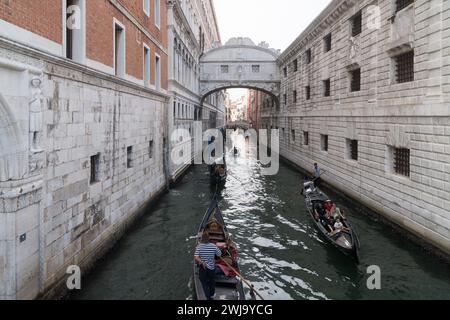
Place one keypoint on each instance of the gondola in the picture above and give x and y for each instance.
(228, 286)
(218, 172)
(346, 241)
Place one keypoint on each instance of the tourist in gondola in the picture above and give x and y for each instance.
(339, 227)
(205, 256)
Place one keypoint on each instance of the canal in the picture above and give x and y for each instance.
(280, 250)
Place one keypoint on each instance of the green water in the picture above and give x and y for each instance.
(280, 250)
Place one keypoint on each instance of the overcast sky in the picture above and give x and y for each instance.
(278, 22)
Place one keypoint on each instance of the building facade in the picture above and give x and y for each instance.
(83, 96)
(192, 30)
(366, 94)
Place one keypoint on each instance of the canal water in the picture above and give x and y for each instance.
(281, 252)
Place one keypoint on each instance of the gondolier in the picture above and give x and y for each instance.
(205, 255)
(317, 175)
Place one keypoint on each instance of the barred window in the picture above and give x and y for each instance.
(327, 43)
(405, 67)
(256, 68)
(293, 135)
(150, 148)
(308, 56)
(295, 65)
(357, 24)
(130, 157)
(295, 96)
(285, 99)
(224, 69)
(95, 169)
(355, 80)
(308, 92)
(324, 142)
(352, 149)
(402, 159)
(327, 88)
(402, 4)
(305, 138)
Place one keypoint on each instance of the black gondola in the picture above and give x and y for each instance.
(228, 287)
(218, 172)
(347, 241)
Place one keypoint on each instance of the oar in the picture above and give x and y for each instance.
(248, 283)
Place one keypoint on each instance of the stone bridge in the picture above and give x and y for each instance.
(240, 64)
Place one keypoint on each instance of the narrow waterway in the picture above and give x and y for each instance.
(280, 250)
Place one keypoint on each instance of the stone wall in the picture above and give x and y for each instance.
(56, 115)
(383, 115)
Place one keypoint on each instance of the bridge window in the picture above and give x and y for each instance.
(327, 88)
(405, 67)
(256, 68)
(357, 24)
(308, 92)
(224, 69)
(327, 43)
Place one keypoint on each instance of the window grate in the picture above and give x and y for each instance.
(405, 67)
(95, 168)
(354, 150)
(308, 56)
(308, 92)
(324, 140)
(224, 69)
(356, 80)
(327, 42)
(402, 4)
(295, 96)
(327, 88)
(402, 164)
(305, 138)
(357, 24)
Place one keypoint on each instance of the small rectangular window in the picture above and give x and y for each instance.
(293, 135)
(295, 65)
(402, 158)
(130, 157)
(158, 13)
(352, 149)
(327, 88)
(256, 68)
(119, 51)
(404, 67)
(308, 92)
(355, 84)
(357, 24)
(295, 96)
(146, 66)
(308, 56)
(327, 42)
(402, 4)
(305, 138)
(285, 98)
(285, 72)
(95, 169)
(224, 69)
(158, 73)
(324, 142)
(150, 149)
(147, 7)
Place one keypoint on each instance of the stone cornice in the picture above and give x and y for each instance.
(327, 18)
(80, 68)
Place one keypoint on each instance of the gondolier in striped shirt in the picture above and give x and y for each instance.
(205, 256)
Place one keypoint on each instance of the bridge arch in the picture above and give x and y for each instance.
(240, 64)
